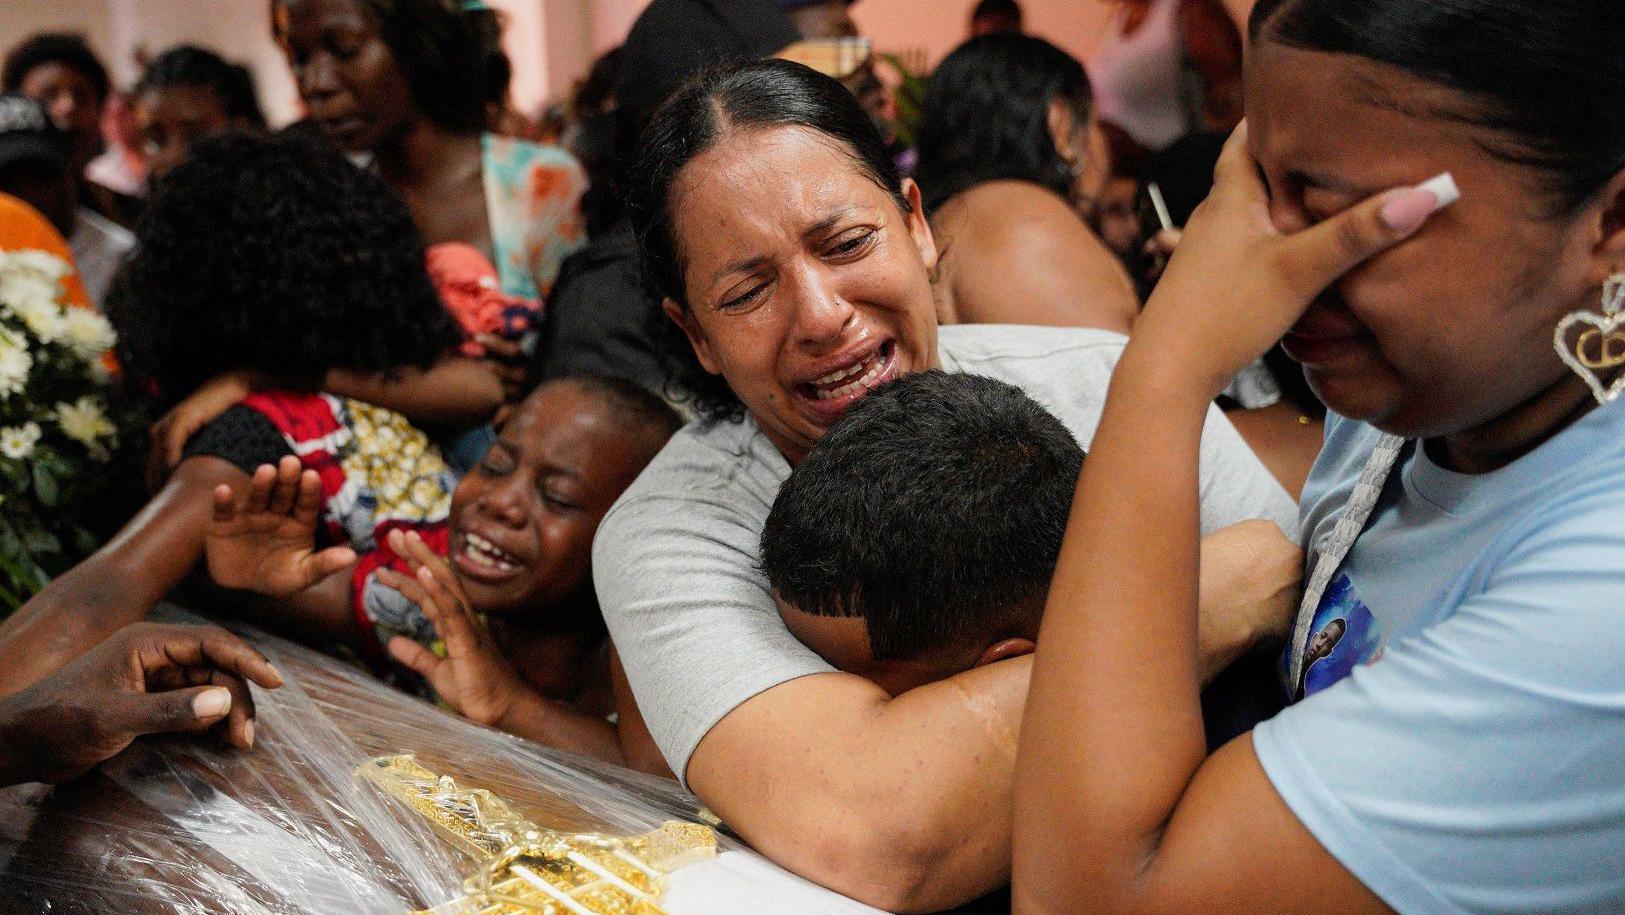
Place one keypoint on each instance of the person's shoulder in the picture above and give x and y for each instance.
(1579, 511)
(972, 347)
(1066, 369)
(713, 482)
(702, 462)
(1024, 197)
(1008, 212)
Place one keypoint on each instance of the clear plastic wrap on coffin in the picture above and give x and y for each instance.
(178, 824)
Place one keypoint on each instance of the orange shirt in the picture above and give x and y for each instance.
(23, 228)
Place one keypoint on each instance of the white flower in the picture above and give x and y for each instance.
(84, 422)
(54, 268)
(20, 288)
(17, 442)
(15, 363)
(88, 333)
(43, 318)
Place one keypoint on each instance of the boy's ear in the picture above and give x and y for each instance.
(1005, 650)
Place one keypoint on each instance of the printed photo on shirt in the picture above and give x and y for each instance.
(1343, 636)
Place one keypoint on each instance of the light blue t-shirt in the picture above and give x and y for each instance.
(1462, 744)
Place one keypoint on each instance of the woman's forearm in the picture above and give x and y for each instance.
(1118, 651)
(456, 392)
(120, 583)
(902, 803)
(71, 615)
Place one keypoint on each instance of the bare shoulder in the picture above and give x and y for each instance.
(1013, 204)
(1035, 262)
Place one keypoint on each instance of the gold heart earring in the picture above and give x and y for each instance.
(1600, 347)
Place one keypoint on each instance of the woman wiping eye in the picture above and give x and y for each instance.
(1455, 651)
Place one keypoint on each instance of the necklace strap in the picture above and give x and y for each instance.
(1356, 515)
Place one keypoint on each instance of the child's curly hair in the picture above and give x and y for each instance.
(276, 255)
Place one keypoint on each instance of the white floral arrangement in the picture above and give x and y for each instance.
(56, 431)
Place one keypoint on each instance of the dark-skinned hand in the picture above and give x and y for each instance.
(147, 678)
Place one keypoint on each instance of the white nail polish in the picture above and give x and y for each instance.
(1443, 188)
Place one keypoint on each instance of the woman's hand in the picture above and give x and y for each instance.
(265, 539)
(473, 678)
(1236, 285)
(144, 679)
(170, 434)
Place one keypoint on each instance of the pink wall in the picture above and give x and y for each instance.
(938, 26)
(552, 42)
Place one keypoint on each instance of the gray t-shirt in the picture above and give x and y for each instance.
(675, 560)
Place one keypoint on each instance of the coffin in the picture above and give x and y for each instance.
(181, 825)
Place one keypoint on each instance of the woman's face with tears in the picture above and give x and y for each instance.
(808, 285)
(1452, 330)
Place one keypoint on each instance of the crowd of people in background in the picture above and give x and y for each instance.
(1135, 480)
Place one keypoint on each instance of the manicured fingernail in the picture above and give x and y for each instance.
(248, 732)
(1406, 210)
(212, 703)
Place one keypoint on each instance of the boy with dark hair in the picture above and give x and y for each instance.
(918, 538)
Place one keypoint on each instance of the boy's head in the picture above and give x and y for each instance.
(522, 521)
(918, 538)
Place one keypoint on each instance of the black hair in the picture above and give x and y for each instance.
(277, 255)
(65, 48)
(451, 53)
(197, 68)
(758, 94)
(934, 510)
(1129, 159)
(986, 116)
(638, 409)
(997, 9)
(1547, 78)
(596, 93)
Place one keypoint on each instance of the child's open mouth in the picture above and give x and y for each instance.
(480, 558)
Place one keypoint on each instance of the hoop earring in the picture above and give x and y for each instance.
(1600, 346)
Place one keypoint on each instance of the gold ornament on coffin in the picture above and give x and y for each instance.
(1600, 346)
(529, 869)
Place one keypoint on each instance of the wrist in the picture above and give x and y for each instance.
(1169, 374)
(525, 712)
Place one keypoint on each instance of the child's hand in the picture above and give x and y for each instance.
(265, 539)
(473, 678)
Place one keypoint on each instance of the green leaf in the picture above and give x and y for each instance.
(45, 486)
(84, 542)
(15, 472)
(42, 543)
